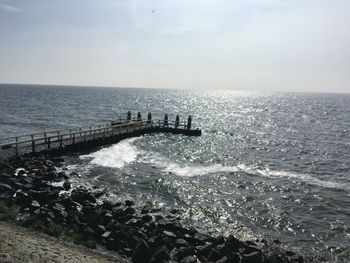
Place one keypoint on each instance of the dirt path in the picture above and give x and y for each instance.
(19, 245)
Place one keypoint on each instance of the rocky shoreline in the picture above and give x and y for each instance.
(38, 194)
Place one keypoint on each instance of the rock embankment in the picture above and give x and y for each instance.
(141, 234)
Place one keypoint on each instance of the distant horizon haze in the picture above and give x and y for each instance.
(255, 45)
(180, 89)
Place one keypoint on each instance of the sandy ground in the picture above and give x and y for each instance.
(19, 245)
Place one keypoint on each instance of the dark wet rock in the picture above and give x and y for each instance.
(189, 259)
(147, 218)
(35, 205)
(6, 188)
(213, 255)
(80, 196)
(129, 203)
(161, 253)
(21, 172)
(129, 210)
(155, 241)
(88, 230)
(22, 199)
(74, 174)
(142, 252)
(273, 258)
(180, 242)
(67, 185)
(253, 257)
(249, 249)
(202, 238)
(185, 251)
(106, 205)
(100, 229)
(219, 240)
(298, 259)
(233, 243)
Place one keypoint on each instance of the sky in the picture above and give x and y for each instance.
(277, 45)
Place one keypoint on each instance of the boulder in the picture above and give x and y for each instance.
(253, 257)
(142, 252)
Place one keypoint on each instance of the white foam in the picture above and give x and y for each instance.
(116, 156)
(189, 170)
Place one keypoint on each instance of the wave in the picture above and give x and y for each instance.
(116, 156)
(189, 170)
(124, 153)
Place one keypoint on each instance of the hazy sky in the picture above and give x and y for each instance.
(219, 44)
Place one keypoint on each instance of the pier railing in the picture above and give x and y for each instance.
(37, 142)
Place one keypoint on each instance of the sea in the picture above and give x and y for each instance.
(273, 166)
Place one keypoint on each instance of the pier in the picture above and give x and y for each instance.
(79, 139)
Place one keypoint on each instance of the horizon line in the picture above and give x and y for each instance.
(180, 89)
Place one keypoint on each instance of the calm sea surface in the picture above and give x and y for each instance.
(268, 165)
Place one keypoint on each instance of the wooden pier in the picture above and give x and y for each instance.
(63, 141)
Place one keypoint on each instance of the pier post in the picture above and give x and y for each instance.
(166, 123)
(33, 144)
(16, 145)
(149, 118)
(49, 143)
(128, 116)
(189, 122)
(177, 121)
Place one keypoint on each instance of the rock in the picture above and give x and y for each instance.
(80, 196)
(6, 188)
(185, 251)
(180, 242)
(155, 241)
(273, 258)
(204, 250)
(67, 185)
(20, 172)
(214, 255)
(22, 199)
(106, 234)
(74, 174)
(189, 259)
(253, 257)
(129, 210)
(129, 203)
(162, 253)
(169, 234)
(219, 240)
(202, 238)
(147, 218)
(35, 204)
(233, 243)
(223, 260)
(142, 252)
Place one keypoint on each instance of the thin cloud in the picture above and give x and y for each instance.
(9, 9)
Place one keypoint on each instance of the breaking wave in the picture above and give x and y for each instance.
(116, 156)
(188, 170)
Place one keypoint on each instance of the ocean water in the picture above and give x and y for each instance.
(268, 165)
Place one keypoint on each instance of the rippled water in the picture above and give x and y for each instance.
(271, 165)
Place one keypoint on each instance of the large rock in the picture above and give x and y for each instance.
(80, 196)
(142, 252)
(253, 257)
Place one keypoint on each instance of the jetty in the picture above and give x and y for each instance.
(85, 138)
